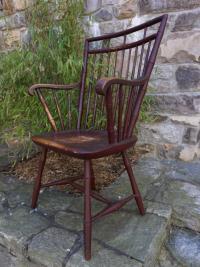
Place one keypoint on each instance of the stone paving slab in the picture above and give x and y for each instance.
(182, 171)
(184, 199)
(168, 260)
(102, 257)
(184, 245)
(18, 226)
(146, 173)
(52, 234)
(52, 201)
(8, 260)
(51, 246)
(138, 237)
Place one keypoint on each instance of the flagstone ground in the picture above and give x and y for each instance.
(51, 236)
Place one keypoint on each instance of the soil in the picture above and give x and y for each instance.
(59, 166)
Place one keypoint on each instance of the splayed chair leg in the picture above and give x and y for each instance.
(87, 210)
(93, 186)
(37, 185)
(138, 197)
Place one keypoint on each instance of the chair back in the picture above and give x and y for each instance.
(129, 54)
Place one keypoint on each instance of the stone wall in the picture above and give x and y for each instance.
(13, 29)
(175, 83)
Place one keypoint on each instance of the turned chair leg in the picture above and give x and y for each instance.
(138, 197)
(37, 185)
(87, 210)
(93, 186)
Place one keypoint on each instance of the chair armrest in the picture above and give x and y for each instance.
(104, 83)
(34, 87)
(104, 88)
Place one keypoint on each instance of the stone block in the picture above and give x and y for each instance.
(148, 6)
(125, 10)
(92, 5)
(188, 77)
(183, 197)
(140, 237)
(163, 78)
(51, 247)
(167, 260)
(111, 2)
(8, 260)
(17, 226)
(159, 209)
(7, 182)
(187, 21)
(189, 152)
(2, 23)
(16, 20)
(20, 195)
(101, 256)
(184, 246)
(168, 151)
(164, 132)
(70, 221)
(175, 78)
(180, 47)
(103, 15)
(22, 4)
(177, 103)
(191, 135)
(8, 7)
(51, 201)
(146, 172)
(182, 171)
(188, 120)
(119, 25)
(12, 38)
(11, 6)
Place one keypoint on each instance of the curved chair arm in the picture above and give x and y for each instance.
(104, 88)
(104, 83)
(34, 87)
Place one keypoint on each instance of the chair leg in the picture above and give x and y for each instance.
(93, 186)
(87, 210)
(138, 197)
(37, 185)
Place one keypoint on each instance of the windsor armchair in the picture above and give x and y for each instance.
(116, 71)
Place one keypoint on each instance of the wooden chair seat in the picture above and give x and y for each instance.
(82, 144)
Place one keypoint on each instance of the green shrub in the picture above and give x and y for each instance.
(53, 55)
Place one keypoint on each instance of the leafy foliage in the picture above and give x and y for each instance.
(52, 55)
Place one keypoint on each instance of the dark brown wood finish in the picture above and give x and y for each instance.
(115, 75)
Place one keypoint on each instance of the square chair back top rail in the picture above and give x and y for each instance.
(96, 117)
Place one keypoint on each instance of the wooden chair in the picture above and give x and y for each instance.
(116, 71)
